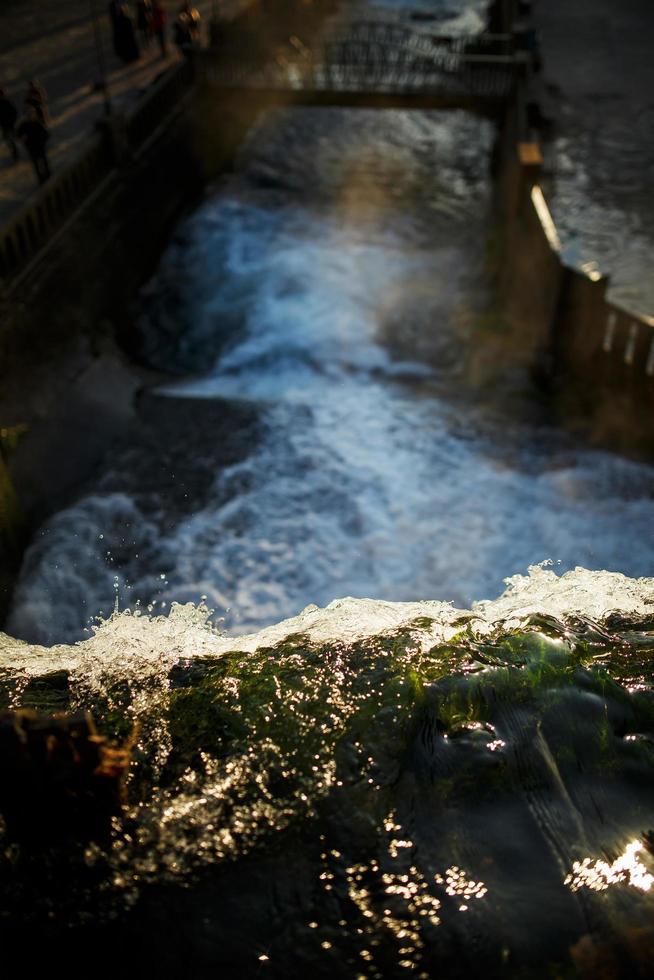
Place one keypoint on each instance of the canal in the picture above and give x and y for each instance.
(326, 424)
(393, 786)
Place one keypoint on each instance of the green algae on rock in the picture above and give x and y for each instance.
(382, 807)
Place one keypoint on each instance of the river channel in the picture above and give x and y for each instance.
(319, 435)
(392, 786)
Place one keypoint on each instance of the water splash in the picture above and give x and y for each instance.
(320, 441)
(389, 747)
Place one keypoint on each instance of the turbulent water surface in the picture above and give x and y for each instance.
(396, 784)
(321, 437)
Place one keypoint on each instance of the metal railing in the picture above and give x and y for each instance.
(31, 227)
(628, 338)
(378, 58)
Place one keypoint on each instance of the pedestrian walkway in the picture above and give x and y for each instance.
(53, 41)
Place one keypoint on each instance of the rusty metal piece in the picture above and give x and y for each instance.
(58, 777)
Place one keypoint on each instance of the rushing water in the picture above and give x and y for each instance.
(379, 788)
(321, 437)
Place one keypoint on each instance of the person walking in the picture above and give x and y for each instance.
(114, 17)
(181, 32)
(187, 26)
(159, 19)
(144, 21)
(8, 117)
(193, 19)
(34, 134)
(37, 99)
(125, 43)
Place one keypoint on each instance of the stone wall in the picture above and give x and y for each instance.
(598, 358)
(604, 356)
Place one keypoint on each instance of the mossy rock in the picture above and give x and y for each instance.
(378, 808)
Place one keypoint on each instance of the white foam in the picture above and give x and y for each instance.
(364, 480)
(129, 642)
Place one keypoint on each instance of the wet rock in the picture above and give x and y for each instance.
(380, 807)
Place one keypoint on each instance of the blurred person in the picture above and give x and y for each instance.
(144, 21)
(216, 26)
(114, 15)
(8, 117)
(187, 25)
(194, 20)
(159, 19)
(125, 42)
(181, 33)
(37, 99)
(34, 134)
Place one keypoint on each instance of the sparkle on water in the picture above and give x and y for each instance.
(599, 875)
(397, 746)
(438, 774)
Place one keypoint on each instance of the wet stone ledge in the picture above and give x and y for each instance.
(477, 806)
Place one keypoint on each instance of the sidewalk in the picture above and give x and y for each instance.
(53, 40)
(598, 88)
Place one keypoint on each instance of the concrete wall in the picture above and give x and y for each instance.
(532, 280)
(597, 357)
(511, 343)
(604, 356)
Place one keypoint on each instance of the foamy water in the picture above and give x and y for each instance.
(327, 290)
(133, 641)
(419, 778)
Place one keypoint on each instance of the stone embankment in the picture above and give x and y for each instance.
(594, 352)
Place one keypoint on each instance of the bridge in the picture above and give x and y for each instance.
(373, 64)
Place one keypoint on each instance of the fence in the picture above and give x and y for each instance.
(630, 338)
(37, 221)
(491, 78)
(370, 56)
